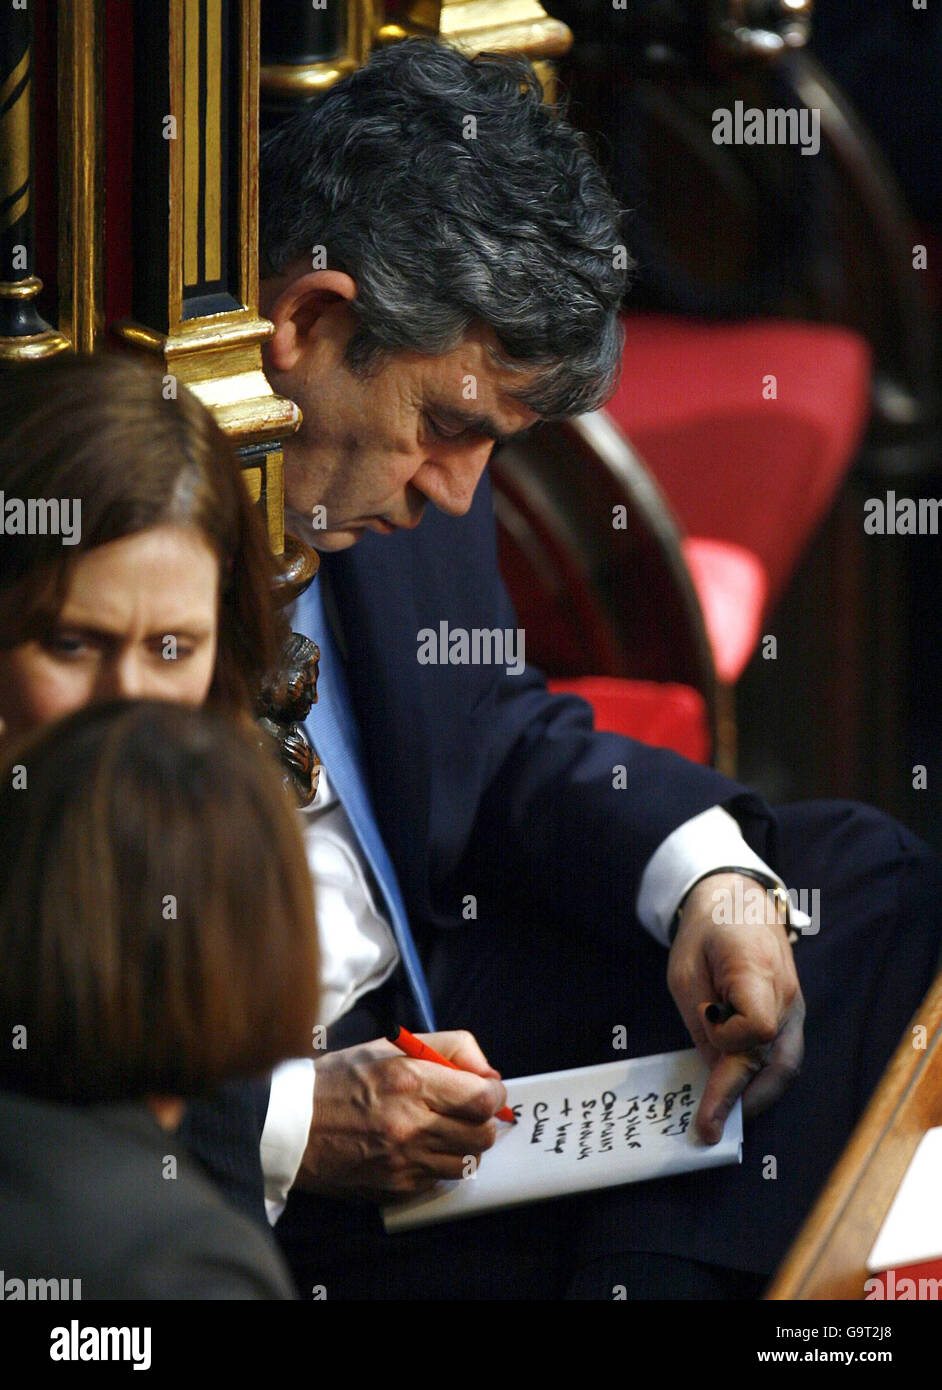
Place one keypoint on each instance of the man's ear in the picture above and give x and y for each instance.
(298, 303)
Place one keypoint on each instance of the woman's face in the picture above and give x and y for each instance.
(140, 621)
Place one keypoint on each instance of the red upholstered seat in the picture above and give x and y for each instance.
(731, 585)
(760, 473)
(665, 715)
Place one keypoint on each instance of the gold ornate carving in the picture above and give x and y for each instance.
(21, 289)
(275, 493)
(270, 476)
(298, 81)
(477, 26)
(20, 344)
(31, 347)
(219, 358)
(484, 26)
(14, 141)
(252, 477)
(10, 83)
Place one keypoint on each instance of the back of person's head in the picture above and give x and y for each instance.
(106, 433)
(453, 195)
(157, 926)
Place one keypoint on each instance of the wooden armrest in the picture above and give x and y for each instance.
(828, 1258)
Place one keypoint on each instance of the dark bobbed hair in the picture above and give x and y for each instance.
(101, 429)
(156, 915)
(515, 228)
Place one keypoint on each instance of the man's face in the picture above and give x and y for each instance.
(373, 451)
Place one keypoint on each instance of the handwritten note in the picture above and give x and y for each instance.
(587, 1128)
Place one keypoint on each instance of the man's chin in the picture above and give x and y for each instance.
(301, 525)
(341, 539)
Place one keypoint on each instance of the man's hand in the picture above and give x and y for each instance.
(387, 1126)
(750, 966)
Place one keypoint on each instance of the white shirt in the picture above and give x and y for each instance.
(358, 951)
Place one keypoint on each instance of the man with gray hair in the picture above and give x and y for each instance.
(443, 264)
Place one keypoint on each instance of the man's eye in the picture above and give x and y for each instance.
(441, 431)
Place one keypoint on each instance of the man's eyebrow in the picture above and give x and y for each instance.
(479, 424)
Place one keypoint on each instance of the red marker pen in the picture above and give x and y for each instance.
(409, 1044)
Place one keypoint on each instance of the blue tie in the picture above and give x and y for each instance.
(333, 732)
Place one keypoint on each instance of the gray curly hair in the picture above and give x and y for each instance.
(442, 222)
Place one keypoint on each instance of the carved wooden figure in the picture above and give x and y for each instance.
(284, 702)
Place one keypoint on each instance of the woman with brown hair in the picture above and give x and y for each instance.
(132, 562)
(133, 565)
(157, 938)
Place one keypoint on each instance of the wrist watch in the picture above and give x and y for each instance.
(772, 886)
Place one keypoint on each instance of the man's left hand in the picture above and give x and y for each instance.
(750, 966)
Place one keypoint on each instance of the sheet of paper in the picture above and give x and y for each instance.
(912, 1230)
(587, 1128)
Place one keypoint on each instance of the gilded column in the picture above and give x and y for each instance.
(24, 335)
(195, 229)
(81, 173)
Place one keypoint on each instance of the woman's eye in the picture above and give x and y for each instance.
(65, 644)
(172, 648)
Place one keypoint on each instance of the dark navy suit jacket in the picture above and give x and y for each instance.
(467, 759)
(480, 775)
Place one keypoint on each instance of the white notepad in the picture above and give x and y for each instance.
(583, 1129)
(912, 1231)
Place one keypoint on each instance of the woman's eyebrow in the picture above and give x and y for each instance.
(94, 629)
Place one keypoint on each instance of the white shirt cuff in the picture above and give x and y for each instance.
(710, 841)
(287, 1126)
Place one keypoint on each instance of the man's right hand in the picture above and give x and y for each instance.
(386, 1125)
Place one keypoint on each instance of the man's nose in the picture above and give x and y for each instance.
(449, 481)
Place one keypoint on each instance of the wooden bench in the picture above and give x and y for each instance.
(828, 1258)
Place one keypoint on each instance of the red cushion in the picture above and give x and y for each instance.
(731, 585)
(760, 473)
(667, 716)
